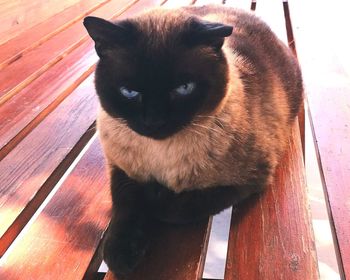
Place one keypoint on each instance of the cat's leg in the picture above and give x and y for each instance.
(126, 238)
(194, 205)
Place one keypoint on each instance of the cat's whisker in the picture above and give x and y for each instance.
(197, 132)
(221, 133)
(215, 118)
(208, 128)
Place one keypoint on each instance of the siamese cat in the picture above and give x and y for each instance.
(196, 108)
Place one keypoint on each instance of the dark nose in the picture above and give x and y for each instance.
(151, 122)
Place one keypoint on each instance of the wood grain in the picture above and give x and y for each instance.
(61, 241)
(26, 169)
(24, 70)
(325, 61)
(32, 37)
(17, 15)
(271, 236)
(32, 104)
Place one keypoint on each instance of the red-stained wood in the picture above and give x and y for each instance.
(29, 106)
(176, 253)
(32, 104)
(61, 241)
(30, 38)
(271, 236)
(324, 57)
(35, 62)
(18, 15)
(29, 165)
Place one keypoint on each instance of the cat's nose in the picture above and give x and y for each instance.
(153, 123)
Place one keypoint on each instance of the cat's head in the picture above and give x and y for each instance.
(159, 70)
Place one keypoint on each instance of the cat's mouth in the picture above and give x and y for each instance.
(159, 132)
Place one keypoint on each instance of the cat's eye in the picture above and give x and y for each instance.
(185, 89)
(130, 94)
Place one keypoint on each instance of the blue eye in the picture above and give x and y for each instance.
(130, 94)
(185, 89)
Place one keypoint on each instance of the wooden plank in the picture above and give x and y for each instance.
(61, 241)
(324, 56)
(280, 218)
(17, 15)
(176, 253)
(26, 169)
(271, 236)
(30, 38)
(23, 71)
(32, 104)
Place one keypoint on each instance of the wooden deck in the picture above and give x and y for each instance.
(55, 201)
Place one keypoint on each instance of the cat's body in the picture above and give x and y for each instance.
(201, 151)
(230, 146)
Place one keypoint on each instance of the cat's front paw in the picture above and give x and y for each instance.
(122, 251)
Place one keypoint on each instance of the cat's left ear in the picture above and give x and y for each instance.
(107, 34)
(207, 33)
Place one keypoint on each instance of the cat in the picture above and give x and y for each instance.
(196, 109)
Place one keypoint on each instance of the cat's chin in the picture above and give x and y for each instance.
(155, 134)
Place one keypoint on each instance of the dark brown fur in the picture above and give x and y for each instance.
(214, 148)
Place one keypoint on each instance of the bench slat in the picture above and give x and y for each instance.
(23, 71)
(30, 106)
(26, 168)
(275, 228)
(30, 38)
(325, 61)
(271, 237)
(61, 241)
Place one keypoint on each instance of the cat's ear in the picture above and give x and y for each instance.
(106, 34)
(207, 33)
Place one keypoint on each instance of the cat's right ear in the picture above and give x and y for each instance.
(206, 33)
(107, 34)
